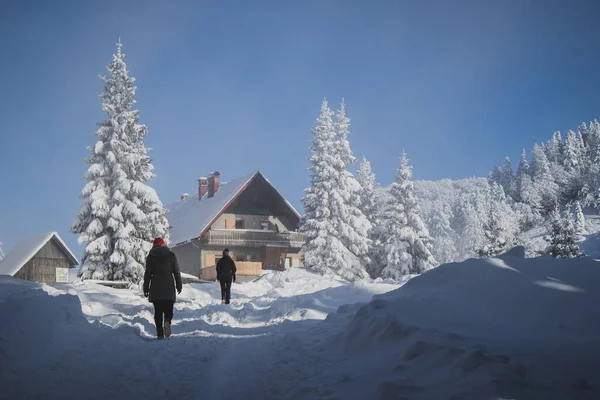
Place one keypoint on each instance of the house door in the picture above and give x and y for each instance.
(272, 258)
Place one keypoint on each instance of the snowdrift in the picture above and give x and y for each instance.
(506, 326)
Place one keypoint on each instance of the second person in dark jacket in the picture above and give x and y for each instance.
(226, 270)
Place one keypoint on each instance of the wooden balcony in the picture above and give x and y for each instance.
(248, 238)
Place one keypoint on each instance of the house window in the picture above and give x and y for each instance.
(239, 224)
(264, 225)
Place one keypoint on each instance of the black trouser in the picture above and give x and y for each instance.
(225, 289)
(162, 307)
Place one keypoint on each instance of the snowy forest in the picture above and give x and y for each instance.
(355, 227)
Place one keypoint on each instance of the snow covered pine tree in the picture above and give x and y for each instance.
(326, 212)
(580, 228)
(562, 236)
(354, 226)
(405, 242)
(370, 208)
(119, 214)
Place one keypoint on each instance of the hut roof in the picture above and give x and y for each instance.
(190, 217)
(28, 248)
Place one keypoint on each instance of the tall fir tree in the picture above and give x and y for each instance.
(369, 207)
(119, 214)
(508, 181)
(543, 180)
(324, 206)
(554, 149)
(522, 170)
(406, 243)
(500, 225)
(573, 153)
(470, 225)
(354, 226)
(368, 185)
(561, 239)
(444, 237)
(580, 228)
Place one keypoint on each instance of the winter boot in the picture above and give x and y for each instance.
(167, 328)
(159, 332)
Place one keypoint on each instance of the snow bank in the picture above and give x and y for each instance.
(505, 326)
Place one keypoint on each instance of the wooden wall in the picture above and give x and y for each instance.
(253, 221)
(188, 256)
(42, 267)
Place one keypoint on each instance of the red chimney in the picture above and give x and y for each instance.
(202, 187)
(213, 184)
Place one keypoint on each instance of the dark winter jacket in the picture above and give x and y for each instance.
(161, 267)
(226, 269)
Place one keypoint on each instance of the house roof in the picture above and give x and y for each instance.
(189, 218)
(28, 248)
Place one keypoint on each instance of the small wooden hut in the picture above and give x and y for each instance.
(44, 258)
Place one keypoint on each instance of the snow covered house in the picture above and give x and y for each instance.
(247, 215)
(44, 258)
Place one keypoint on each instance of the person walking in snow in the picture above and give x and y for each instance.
(161, 278)
(226, 270)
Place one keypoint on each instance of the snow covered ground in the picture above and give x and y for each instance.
(507, 327)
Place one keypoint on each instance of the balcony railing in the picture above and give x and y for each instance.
(232, 237)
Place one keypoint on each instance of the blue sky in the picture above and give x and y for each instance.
(236, 86)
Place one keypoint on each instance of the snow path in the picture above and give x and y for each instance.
(506, 327)
(248, 349)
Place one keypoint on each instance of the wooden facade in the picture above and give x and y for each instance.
(257, 225)
(42, 266)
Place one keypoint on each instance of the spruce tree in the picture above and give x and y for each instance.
(562, 236)
(543, 180)
(579, 219)
(324, 206)
(500, 226)
(469, 226)
(119, 214)
(522, 170)
(368, 184)
(554, 149)
(573, 153)
(354, 227)
(406, 244)
(440, 229)
(369, 207)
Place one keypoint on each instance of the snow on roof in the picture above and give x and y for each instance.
(189, 217)
(28, 248)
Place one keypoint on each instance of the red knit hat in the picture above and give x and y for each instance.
(158, 241)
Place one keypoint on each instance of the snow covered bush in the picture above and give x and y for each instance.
(119, 214)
